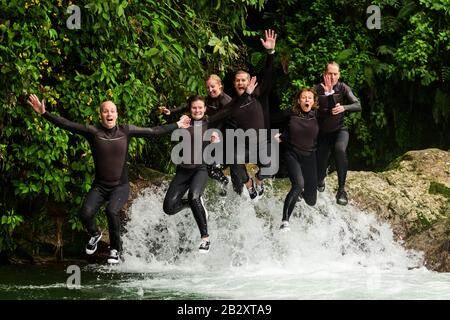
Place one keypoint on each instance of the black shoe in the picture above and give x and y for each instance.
(341, 197)
(321, 186)
(91, 247)
(204, 246)
(114, 256)
(285, 226)
(252, 190)
(223, 189)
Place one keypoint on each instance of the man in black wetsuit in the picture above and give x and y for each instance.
(335, 100)
(109, 144)
(191, 175)
(251, 111)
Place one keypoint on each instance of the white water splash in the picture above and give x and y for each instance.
(331, 252)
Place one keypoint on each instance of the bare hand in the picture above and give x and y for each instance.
(327, 83)
(251, 85)
(164, 110)
(271, 39)
(337, 109)
(215, 138)
(184, 122)
(37, 105)
(277, 137)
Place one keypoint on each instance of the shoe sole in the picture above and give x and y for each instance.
(342, 203)
(203, 251)
(112, 261)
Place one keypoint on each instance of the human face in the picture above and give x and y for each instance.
(214, 88)
(198, 109)
(108, 114)
(306, 101)
(241, 81)
(333, 72)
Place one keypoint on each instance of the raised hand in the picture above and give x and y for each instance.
(327, 83)
(277, 137)
(184, 122)
(164, 110)
(215, 138)
(252, 84)
(271, 39)
(37, 105)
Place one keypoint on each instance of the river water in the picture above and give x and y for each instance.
(331, 252)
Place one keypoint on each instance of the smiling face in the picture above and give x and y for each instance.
(306, 100)
(214, 88)
(241, 81)
(108, 114)
(198, 109)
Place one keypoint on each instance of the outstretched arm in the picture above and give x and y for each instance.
(183, 108)
(61, 122)
(135, 131)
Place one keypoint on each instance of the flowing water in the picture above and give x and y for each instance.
(331, 252)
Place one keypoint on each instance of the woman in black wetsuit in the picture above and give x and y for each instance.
(192, 175)
(215, 101)
(300, 152)
(109, 144)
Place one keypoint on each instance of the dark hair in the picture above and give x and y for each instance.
(196, 98)
(299, 93)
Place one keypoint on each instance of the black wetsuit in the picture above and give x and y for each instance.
(250, 112)
(110, 153)
(300, 159)
(332, 132)
(213, 105)
(193, 177)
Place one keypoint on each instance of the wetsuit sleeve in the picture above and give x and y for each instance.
(183, 108)
(353, 102)
(135, 131)
(265, 85)
(65, 124)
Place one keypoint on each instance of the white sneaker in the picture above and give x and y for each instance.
(204, 246)
(91, 247)
(285, 226)
(113, 256)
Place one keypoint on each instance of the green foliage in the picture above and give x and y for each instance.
(440, 189)
(399, 72)
(8, 223)
(140, 54)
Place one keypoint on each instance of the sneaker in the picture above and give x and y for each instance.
(260, 188)
(285, 226)
(203, 204)
(91, 247)
(252, 190)
(341, 197)
(223, 189)
(204, 246)
(113, 256)
(321, 186)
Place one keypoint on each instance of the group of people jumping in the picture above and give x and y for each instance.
(315, 129)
